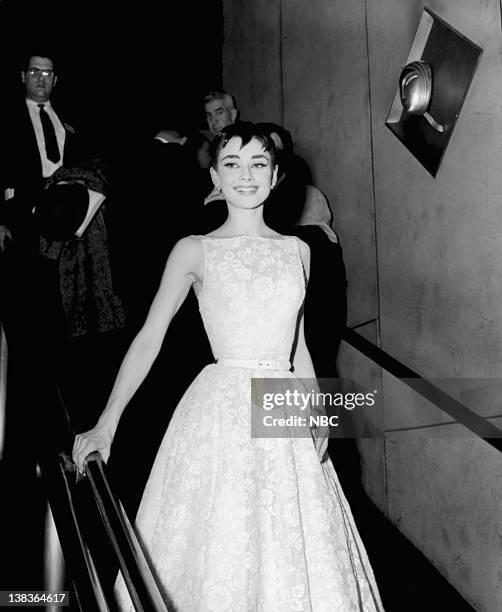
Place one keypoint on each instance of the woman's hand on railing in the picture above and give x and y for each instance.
(95, 439)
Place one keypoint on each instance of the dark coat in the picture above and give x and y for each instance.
(326, 299)
(21, 168)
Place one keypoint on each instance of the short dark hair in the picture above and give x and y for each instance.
(42, 52)
(284, 135)
(246, 131)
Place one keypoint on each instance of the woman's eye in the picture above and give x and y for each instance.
(230, 165)
(259, 165)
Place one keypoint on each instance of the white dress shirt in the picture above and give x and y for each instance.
(48, 167)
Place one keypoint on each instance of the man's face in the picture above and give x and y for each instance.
(219, 115)
(39, 78)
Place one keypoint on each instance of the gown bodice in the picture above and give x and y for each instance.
(251, 295)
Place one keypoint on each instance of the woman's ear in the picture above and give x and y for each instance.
(214, 177)
(274, 177)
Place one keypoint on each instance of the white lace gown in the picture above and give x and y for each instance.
(232, 523)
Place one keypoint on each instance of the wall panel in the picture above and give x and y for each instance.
(326, 107)
(252, 57)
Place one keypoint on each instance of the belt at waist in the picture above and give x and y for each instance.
(257, 364)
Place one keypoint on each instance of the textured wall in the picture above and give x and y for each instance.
(252, 57)
(423, 255)
(440, 296)
(438, 240)
(445, 495)
(332, 127)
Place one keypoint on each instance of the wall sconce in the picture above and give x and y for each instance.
(415, 89)
(431, 89)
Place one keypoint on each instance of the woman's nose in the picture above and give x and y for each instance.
(246, 174)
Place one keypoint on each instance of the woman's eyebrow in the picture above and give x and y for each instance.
(234, 156)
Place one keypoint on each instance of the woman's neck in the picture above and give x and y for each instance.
(244, 222)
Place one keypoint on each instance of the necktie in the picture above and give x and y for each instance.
(51, 143)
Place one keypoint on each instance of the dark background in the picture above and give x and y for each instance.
(125, 69)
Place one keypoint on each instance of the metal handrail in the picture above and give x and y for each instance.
(461, 413)
(3, 386)
(86, 584)
(137, 575)
(60, 474)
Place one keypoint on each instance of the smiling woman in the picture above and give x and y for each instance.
(243, 165)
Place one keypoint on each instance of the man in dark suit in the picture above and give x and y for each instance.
(35, 143)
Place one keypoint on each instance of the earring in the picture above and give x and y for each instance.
(218, 189)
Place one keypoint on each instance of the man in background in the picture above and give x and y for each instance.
(220, 110)
(35, 142)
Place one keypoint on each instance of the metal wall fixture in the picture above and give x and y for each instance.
(415, 87)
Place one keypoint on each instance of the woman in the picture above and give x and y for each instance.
(233, 522)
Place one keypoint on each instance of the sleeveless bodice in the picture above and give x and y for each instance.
(253, 289)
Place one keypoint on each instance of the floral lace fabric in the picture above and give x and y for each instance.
(232, 523)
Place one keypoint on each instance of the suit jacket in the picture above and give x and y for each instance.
(326, 299)
(21, 166)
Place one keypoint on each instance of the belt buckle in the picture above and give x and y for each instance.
(265, 364)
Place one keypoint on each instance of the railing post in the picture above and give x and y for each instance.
(3, 387)
(54, 566)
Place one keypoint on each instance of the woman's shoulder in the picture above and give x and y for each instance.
(188, 248)
(190, 241)
(302, 246)
(304, 251)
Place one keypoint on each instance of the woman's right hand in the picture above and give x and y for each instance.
(95, 439)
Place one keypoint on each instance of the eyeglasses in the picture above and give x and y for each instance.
(45, 72)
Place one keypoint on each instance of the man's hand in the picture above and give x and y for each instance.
(5, 237)
(170, 136)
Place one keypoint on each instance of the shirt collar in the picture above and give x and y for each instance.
(34, 104)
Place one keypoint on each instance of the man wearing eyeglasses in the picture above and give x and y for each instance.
(34, 143)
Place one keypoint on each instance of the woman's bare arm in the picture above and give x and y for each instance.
(185, 263)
